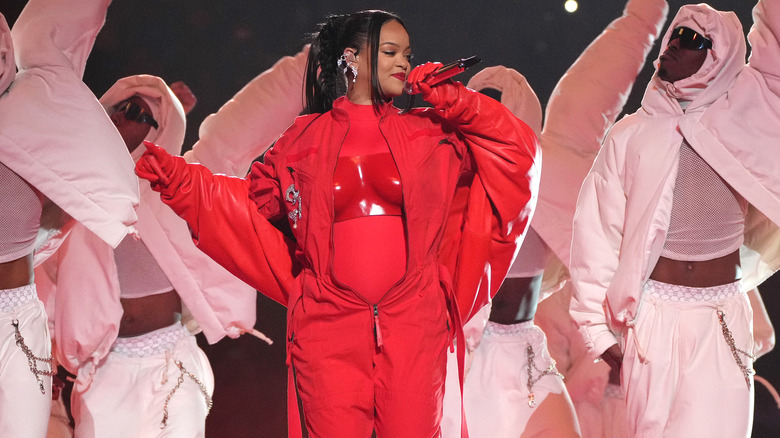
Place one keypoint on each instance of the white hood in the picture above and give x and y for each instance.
(166, 110)
(724, 62)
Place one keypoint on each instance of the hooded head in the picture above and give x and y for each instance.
(516, 94)
(152, 94)
(7, 63)
(722, 63)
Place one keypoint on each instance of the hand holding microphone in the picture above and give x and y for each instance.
(425, 76)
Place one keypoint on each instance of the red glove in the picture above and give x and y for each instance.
(417, 81)
(155, 165)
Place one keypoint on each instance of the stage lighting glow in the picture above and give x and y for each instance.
(570, 5)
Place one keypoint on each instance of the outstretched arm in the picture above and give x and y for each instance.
(225, 224)
(58, 33)
(55, 133)
(764, 38)
(591, 94)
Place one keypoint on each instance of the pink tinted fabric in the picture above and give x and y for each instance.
(20, 216)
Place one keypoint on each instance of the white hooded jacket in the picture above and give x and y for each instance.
(625, 202)
(87, 308)
(53, 132)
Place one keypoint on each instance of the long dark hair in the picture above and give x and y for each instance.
(325, 82)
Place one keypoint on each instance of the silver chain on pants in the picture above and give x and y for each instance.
(182, 372)
(747, 372)
(531, 379)
(32, 360)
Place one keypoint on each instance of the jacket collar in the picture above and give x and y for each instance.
(340, 113)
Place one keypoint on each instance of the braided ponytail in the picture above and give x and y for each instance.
(324, 81)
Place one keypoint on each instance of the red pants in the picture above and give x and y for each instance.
(349, 387)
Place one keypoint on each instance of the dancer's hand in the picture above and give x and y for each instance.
(185, 96)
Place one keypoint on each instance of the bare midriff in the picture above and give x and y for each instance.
(516, 300)
(16, 273)
(146, 314)
(369, 237)
(707, 273)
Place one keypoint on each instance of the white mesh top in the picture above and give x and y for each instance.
(139, 273)
(20, 216)
(708, 216)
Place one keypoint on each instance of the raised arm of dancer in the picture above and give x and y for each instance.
(56, 135)
(584, 104)
(246, 125)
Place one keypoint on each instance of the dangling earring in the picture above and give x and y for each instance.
(354, 70)
(348, 65)
(353, 67)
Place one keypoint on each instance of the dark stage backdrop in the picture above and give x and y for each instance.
(218, 46)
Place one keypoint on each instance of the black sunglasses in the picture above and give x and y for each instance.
(135, 113)
(690, 39)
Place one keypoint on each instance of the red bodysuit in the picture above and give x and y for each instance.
(368, 232)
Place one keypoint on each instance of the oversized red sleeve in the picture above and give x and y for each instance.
(490, 216)
(227, 226)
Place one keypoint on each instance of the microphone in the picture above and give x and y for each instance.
(449, 70)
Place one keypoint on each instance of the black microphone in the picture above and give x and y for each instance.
(449, 70)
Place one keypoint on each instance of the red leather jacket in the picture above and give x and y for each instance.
(434, 151)
(469, 171)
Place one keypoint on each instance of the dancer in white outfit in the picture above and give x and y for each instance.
(53, 133)
(505, 392)
(677, 220)
(128, 383)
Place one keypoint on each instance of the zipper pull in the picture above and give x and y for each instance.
(377, 330)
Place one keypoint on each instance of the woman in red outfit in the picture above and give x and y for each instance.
(393, 215)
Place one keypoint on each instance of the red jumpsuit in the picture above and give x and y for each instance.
(469, 173)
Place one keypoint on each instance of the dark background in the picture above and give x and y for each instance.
(216, 47)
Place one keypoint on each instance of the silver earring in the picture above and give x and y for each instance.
(354, 71)
(345, 65)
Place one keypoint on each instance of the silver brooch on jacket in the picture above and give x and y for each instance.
(294, 198)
